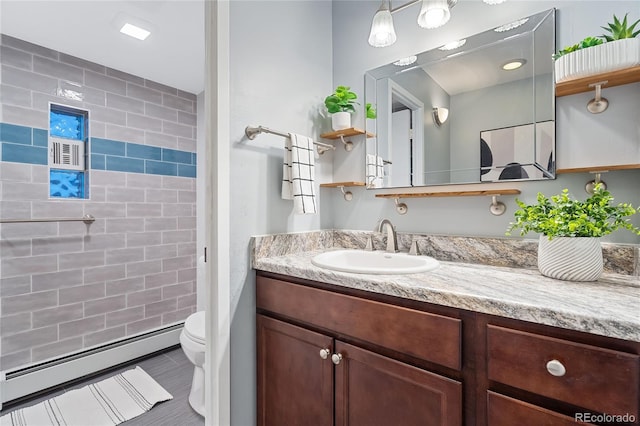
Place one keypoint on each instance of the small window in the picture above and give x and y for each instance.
(68, 152)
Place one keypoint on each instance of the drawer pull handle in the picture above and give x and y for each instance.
(336, 358)
(555, 368)
(324, 353)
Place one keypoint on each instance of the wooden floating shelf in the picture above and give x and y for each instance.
(339, 184)
(613, 78)
(599, 169)
(452, 193)
(352, 131)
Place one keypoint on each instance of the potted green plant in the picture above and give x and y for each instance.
(570, 230)
(618, 49)
(371, 111)
(340, 104)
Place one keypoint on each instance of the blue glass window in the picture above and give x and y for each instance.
(68, 177)
(66, 125)
(66, 183)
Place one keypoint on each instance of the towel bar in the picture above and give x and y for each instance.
(253, 131)
(88, 219)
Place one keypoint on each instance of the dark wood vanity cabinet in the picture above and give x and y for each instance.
(328, 355)
(311, 377)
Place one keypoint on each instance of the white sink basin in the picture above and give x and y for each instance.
(374, 262)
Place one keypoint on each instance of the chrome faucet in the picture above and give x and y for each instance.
(392, 238)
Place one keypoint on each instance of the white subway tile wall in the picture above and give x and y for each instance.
(68, 286)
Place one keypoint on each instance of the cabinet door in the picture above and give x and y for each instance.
(295, 384)
(375, 390)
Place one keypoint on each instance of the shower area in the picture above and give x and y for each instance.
(98, 212)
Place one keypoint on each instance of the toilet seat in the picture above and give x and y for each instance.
(194, 327)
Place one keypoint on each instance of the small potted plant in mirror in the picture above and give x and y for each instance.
(340, 105)
(569, 247)
(618, 49)
(371, 111)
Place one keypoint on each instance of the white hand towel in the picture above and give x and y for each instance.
(370, 171)
(379, 171)
(299, 174)
(374, 171)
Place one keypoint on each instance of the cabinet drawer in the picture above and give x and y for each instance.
(505, 411)
(431, 337)
(598, 379)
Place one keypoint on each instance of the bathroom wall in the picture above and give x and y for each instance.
(68, 286)
(280, 54)
(581, 137)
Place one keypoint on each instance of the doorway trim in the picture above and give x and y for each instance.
(217, 216)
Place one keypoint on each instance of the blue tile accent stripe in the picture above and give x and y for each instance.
(24, 153)
(145, 152)
(161, 168)
(174, 156)
(15, 134)
(123, 164)
(22, 144)
(106, 146)
(186, 171)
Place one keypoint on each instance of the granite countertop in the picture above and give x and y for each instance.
(608, 307)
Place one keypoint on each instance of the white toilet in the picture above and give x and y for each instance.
(193, 345)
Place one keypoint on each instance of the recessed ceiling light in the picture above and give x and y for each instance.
(453, 44)
(134, 31)
(514, 65)
(406, 61)
(510, 26)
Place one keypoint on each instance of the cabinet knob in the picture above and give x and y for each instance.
(556, 368)
(324, 353)
(336, 358)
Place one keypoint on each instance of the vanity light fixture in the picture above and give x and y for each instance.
(440, 115)
(382, 32)
(514, 64)
(134, 31)
(433, 14)
(511, 25)
(406, 61)
(452, 45)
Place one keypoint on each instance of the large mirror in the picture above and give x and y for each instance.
(480, 109)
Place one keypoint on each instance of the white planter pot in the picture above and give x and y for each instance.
(341, 120)
(570, 258)
(609, 56)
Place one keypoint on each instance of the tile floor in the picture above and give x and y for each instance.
(170, 368)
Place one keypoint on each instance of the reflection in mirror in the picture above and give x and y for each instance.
(480, 109)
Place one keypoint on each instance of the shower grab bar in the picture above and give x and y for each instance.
(252, 132)
(87, 218)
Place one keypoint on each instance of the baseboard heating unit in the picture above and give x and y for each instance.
(24, 381)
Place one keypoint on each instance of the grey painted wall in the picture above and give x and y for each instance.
(280, 74)
(582, 137)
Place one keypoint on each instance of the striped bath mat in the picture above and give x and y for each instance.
(108, 402)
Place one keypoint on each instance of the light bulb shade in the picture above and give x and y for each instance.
(382, 32)
(492, 2)
(440, 115)
(434, 13)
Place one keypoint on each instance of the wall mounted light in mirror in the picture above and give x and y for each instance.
(480, 109)
(440, 115)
